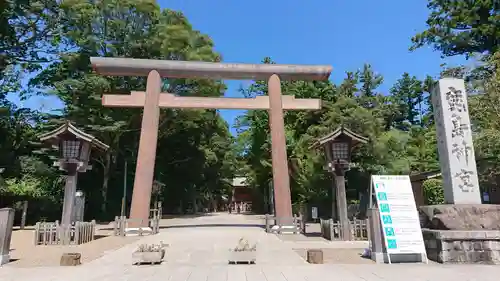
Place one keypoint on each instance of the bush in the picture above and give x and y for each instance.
(433, 191)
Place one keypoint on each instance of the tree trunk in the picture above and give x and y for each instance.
(105, 182)
(195, 203)
(214, 204)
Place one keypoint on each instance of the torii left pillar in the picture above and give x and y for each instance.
(146, 157)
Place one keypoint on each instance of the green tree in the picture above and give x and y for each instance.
(370, 81)
(28, 35)
(193, 145)
(407, 94)
(460, 27)
(485, 113)
(433, 191)
(355, 104)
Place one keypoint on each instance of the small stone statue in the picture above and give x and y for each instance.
(244, 245)
(152, 247)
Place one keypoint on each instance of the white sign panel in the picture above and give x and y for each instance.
(314, 212)
(398, 214)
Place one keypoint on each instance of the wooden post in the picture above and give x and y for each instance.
(345, 231)
(69, 195)
(24, 214)
(77, 232)
(331, 228)
(69, 203)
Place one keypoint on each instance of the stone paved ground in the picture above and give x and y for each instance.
(25, 254)
(199, 247)
(339, 256)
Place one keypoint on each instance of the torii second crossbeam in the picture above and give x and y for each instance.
(138, 99)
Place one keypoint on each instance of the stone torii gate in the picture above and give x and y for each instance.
(153, 99)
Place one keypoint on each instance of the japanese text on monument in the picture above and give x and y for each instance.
(461, 148)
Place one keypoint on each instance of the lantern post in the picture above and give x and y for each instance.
(338, 146)
(74, 148)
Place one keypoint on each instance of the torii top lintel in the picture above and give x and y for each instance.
(209, 70)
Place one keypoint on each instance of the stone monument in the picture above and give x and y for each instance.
(464, 230)
(454, 136)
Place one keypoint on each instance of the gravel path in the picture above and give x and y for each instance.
(25, 254)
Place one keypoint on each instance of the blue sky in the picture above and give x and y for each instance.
(344, 34)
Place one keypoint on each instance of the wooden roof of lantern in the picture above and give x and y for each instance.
(340, 133)
(53, 137)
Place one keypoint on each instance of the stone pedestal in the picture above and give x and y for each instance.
(148, 257)
(6, 224)
(461, 233)
(70, 259)
(460, 217)
(242, 256)
(315, 256)
(462, 246)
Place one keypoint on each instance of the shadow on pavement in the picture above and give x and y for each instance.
(186, 216)
(312, 234)
(211, 225)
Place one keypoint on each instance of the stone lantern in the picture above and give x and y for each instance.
(74, 148)
(338, 147)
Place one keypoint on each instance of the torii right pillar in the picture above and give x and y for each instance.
(281, 178)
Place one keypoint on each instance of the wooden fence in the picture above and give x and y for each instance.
(284, 224)
(331, 230)
(52, 233)
(122, 223)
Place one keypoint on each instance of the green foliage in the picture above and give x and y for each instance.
(194, 159)
(433, 191)
(400, 140)
(485, 113)
(27, 186)
(28, 31)
(460, 27)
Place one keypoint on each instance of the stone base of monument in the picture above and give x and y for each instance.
(397, 258)
(461, 233)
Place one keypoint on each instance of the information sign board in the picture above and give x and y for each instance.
(398, 214)
(314, 212)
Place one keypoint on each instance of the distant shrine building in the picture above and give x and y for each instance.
(242, 195)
